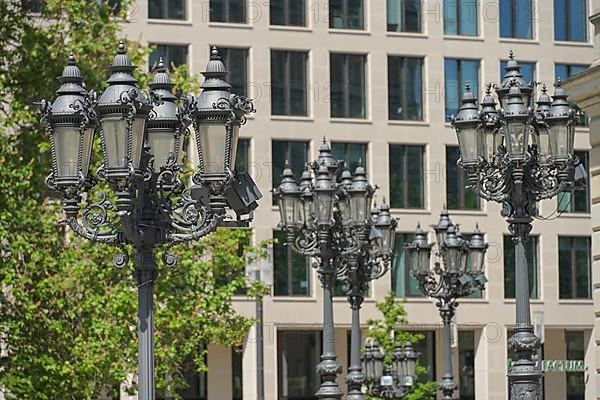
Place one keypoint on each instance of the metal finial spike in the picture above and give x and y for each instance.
(476, 225)
(544, 88)
(418, 225)
(468, 86)
(286, 164)
(71, 59)
(121, 49)
(488, 88)
(214, 53)
(444, 209)
(511, 55)
(324, 140)
(558, 83)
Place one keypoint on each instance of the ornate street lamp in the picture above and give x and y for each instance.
(458, 274)
(393, 380)
(141, 141)
(531, 160)
(329, 218)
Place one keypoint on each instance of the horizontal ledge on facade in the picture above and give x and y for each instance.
(575, 215)
(290, 28)
(407, 122)
(350, 121)
(291, 118)
(465, 38)
(350, 31)
(568, 43)
(519, 41)
(175, 22)
(531, 301)
(414, 211)
(229, 25)
(468, 213)
(412, 35)
(293, 299)
(576, 302)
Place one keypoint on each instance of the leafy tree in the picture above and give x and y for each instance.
(67, 316)
(388, 331)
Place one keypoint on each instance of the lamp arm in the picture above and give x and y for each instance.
(303, 241)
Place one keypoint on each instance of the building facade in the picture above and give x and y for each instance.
(380, 80)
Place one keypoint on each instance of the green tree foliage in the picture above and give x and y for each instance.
(388, 331)
(67, 316)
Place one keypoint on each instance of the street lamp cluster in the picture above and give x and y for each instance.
(142, 144)
(459, 274)
(330, 218)
(518, 155)
(392, 381)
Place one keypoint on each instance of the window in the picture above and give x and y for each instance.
(404, 16)
(460, 17)
(298, 353)
(237, 374)
(350, 153)
(575, 344)
(565, 71)
(289, 82)
(236, 62)
(167, 9)
(579, 200)
(574, 267)
(407, 178)
(171, 54)
(346, 14)
(405, 88)
(570, 20)
(426, 350)
(291, 270)
(531, 252)
(458, 195)
(457, 74)
(242, 159)
(403, 283)
(466, 364)
(231, 11)
(348, 82)
(295, 153)
(288, 12)
(516, 19)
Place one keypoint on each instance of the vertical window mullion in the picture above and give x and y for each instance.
(513, 17)
(286, 82)
(405, 176)
(345, 84)
(458, 16)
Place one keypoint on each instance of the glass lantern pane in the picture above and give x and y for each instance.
(453, 261)
(516, 138)
(66, 142)
(212, 146)
(323, 207)
(114, 133)
(424, 261)
(299, 210)
(234, 146)
(559, 145)
(162, 145)
(137, 140)
(468, 141)
(289, 203)
(359, 211)
(476, 261)
(88, 140)
(308, 210)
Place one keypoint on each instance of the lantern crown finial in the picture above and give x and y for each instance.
(71, 78)
(161, 83)
(121, 70)
(468, 110)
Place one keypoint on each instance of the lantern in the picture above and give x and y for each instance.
(477, 249)
(163, 127)
(326, 158)
(542, 137)
(122, 111)
(490, 134)
(561, 120)
(324, 192)
(441, 229)
(513, 76)
(306, 196)
(399, 362)
(288, 196)
(386, 226)
(516, 116)
(454, 252)
(467, 126)
(419, 254)
(71, 128)
(217, 119)
(361, 196)
(411, 364)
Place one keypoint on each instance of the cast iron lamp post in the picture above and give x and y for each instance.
(141, 138)
(393, 380)
(517, 156)
(459, 274)
(329, 219)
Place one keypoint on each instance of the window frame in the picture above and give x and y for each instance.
(166, 58)
(537, 271)
(285, 6)
(404, 99)
(404, 181)
(345, 88)
(165, 7)
(402, 26)
(405, 270)
(574, 278)
(461, 182)
(567, 22)
(345, 16)
(287, 87)
(461, 84)
(458, 6)
(514, 11)
(571, 195)
(226, 13)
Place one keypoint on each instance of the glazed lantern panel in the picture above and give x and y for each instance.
(66, 142)
(468, 140)
(288, 206)
(114, 132)
(212, 147)
(162, 144)
(88, 141)
(323, 206)
(560, 140)
(454, 260)
(542, 140)
(344, 207)
(137, 139)
(476, 260)
(517, 133)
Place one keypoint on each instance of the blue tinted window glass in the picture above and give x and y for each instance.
(468, 17)
(451, 17)
(506, 17)
(516, 19)
(560, 23)
(452, 87)
(577, 20)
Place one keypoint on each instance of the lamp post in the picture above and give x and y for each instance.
(518, 156)
(329, 218)
(459, 274)
(141, 138)
(391, 380)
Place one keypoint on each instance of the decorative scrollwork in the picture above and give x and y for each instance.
(120, 259)
(96, 215)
